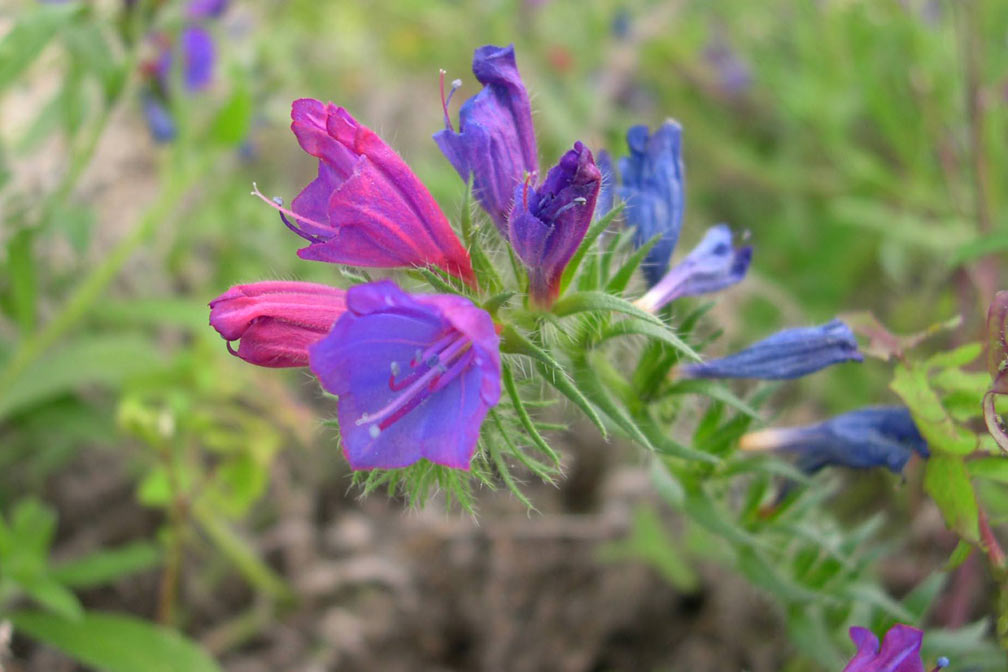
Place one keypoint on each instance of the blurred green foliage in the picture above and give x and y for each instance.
(861, 143)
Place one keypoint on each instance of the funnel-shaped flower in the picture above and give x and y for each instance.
(900, 650)
(712, 265)
(495, 143)
(653, 187)
(790, 353)
(276, 321)
(548, 222)
(884, 436)
(415, 376)
(366, 207)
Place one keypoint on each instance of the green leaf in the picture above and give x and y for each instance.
(867, 593)
(551, 371)
(231, 124)
(105, 566)
(523, 416)
(21, 269)
(600, 302)
(594, 231)
(115, 642)
(991, 468)
(102, 360)
(621, 279)
(948, 483)
(53, 596)
(30, 35)
(592, 387)
(960, 356)
(714, 390)
(649, 543)
(959, 555)
(648, 328)
(910, 382)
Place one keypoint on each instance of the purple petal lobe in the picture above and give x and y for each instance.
(900, 650)
(495, 143)
(791, 353)
(713, 265)
(415, 376)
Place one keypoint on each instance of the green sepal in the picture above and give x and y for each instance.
(594, 231)
(551, 371)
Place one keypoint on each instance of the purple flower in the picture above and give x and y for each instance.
(733, 75)
(198, 56)
(712, 265)
(415, 375)
(791, 353)
(496, 141)
(276, 321)
(884, 436)
(548, 222)
(653, 187)
(900, 650)
(206, 9)
(159, 119)
(366, 207)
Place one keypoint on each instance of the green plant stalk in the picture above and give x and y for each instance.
(92, 287)
(238, 552)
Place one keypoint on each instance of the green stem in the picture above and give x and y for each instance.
(93, 286)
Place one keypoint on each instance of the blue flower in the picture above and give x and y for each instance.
(495, 143)
(607, 192)
(790, 353)
(548, 222)
(159, 120)
(415, 376)
(653, 188)
(884, 436)
(712, 265)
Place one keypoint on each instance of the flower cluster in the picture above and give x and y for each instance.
(198, 56)
(416, 374)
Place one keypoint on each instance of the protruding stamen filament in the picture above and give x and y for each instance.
(941, 664)
(451, 355)
(277, 204)
(580, 200)
(456, 83)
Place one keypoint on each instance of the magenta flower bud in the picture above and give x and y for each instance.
(548, 222)
(275, 322)
(366, 207)
(495, 143)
